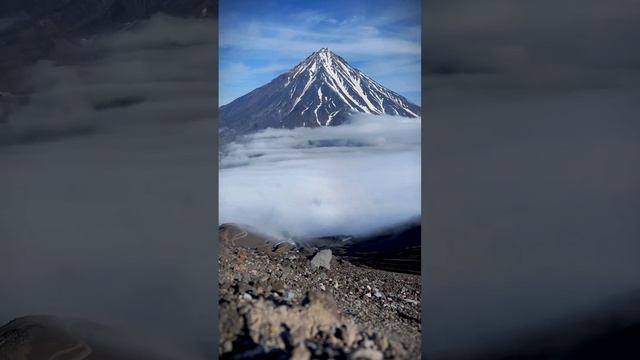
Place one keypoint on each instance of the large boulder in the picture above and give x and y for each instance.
(322, 259)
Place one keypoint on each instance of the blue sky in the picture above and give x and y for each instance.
(260, 40)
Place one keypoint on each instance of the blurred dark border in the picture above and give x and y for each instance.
(531, 189)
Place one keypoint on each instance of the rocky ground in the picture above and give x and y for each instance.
(281, 301)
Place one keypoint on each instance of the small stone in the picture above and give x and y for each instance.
(349, 336)
(368, 343)
(367, 295)
(322, 287)
(227, 346)
(414, 302)
(247, 297)
(382, 343)
(277, 285)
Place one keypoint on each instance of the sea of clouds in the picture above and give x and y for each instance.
(353, 179)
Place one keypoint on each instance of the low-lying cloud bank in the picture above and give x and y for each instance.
(351, 179)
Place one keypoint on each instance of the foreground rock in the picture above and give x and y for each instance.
(322, 259)
(294, 303)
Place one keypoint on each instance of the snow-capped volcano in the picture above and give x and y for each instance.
(322, 90)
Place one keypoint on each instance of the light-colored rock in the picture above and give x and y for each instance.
(228, 346)
(300, 353)
(382, 342)
(367, 354)
(265, 320)
(322, 259)
(368, 344)
(350, 334)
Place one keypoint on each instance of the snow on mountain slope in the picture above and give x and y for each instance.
(322, 90)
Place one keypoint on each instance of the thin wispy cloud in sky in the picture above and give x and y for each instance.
(260, 40)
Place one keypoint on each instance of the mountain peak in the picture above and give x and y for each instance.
(322, 90)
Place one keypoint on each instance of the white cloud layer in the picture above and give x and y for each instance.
(350, 179)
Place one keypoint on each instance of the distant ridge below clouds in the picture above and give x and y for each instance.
(322, 90)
